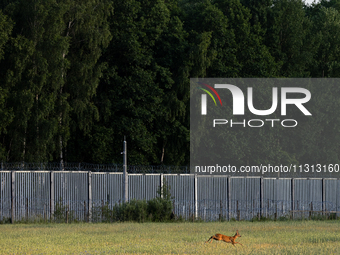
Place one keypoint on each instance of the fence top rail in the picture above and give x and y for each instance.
(142, 174)
(69, 166)
(277, 178)
(104, 173)
(30, 171)
(311, 178)
(73, 172)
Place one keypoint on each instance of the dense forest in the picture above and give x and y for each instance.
(78, 76)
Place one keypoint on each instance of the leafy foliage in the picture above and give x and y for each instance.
(158, 209)
(78, 76)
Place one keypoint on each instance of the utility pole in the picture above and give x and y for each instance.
(125, 174)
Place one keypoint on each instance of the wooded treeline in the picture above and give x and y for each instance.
(78, 76)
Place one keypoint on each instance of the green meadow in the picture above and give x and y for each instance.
(291, 237)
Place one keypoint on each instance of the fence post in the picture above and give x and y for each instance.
(292, 197)
(275, 215)
(125, 174)
(261, 197)
(205, 210)
(229, 198)
(26, 209)
(51, 195)
(161, 184)
(221, 212)
(196, 202)
(85, 217)
(323, 196)
(310, 211)
(90, 195)
(13, 197)
(67, 215)
(268, 214)
(237, 210)
(253, 208)
(45, 213)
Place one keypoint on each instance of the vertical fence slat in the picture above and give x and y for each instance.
(195, 194)
(261, 197)
(51, 195)
(90, 195)
(13, 196)
(323, 195)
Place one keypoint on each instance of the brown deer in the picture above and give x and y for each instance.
(227, 239)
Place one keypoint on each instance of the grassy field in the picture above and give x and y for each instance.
(298, 237)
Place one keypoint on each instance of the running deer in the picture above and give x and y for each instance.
(227, 239)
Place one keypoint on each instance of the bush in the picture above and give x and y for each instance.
(62, 213)
(134, 210)
(158, 209)
(6, 220)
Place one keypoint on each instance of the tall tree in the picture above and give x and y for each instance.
(6, 113)
(326, 25)
(129, 98)
(173, 69)
(28, 74)
(86, 27)
(53, 73)
(289, 38)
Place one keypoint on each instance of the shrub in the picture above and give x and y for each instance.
(62, 213)
(158, 209)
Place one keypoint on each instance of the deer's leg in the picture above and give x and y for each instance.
(215, 238)
(212, 238)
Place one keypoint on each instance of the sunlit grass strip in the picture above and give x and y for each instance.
(304, 237)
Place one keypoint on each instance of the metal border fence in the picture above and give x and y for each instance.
(40, 194)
